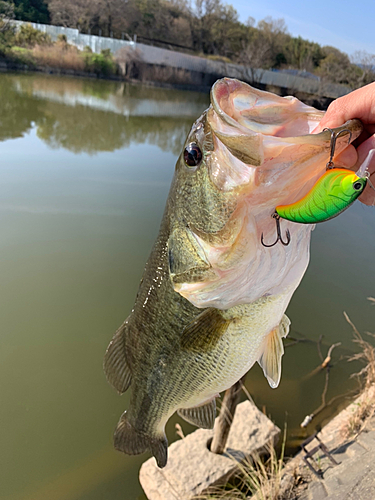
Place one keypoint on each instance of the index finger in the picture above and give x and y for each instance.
(358, 104)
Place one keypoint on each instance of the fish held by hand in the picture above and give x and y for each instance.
(212, 299)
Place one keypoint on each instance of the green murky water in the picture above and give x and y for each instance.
(85, 168)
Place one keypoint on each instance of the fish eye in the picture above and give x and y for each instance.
(357, 186)
(192, 155)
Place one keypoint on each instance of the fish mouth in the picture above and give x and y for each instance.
(272, 133)
(247, 120)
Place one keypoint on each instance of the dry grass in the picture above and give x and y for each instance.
(259, 477)
(59, 55)
(366, 356)
(365, 408)
(213, 57)
(363, 411)
(262, 479)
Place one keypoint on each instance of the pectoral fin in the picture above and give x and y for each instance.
(204, 332)
(272, 352)
(202, 416)
(116, 367)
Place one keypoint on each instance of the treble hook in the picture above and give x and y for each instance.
(276, 216)
(334, 138)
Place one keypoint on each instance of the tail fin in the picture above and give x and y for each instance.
(132, 442)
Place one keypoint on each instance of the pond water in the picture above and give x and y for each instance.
(85, 168)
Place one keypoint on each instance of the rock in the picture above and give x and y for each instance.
(317, 491)
(192, 468)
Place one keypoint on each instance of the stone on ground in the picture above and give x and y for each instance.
(192, 468)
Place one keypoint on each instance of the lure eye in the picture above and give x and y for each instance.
(192, 155)
(357, 186)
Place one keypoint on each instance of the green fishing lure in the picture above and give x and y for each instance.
(333, 193)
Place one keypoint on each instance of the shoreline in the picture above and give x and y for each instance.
(340, 436)
(9, 66)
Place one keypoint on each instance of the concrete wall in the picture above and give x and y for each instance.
(207, 69)
(80, 40)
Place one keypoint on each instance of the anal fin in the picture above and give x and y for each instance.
(272, 352)
(116, 367)
(202, 416)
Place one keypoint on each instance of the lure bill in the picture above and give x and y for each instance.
(333, 193)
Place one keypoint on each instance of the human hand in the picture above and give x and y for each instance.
(358, 104)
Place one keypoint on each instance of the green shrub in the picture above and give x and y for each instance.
(27, 36)
(21, 55)
(101, 64)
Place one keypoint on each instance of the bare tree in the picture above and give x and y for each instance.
(6, 15)
(254, 55)
(337, 68)
(7, 30)
(366, 62)
(83, 14)
(264, 43)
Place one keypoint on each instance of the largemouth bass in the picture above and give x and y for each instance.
(212, 298)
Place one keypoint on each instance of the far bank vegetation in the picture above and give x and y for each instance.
(209, 28)
(36, 49)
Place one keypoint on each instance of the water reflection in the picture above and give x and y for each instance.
(87, 116)
(17, 111)
(96, 131)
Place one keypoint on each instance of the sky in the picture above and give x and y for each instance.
(346, 25)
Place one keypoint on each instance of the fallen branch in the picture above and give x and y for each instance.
(328, 357)
(309, 418)
(324, 365)
(325, 362)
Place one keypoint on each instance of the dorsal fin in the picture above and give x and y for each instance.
(272, 352)
(116, 367)
(202, 416)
